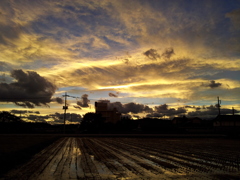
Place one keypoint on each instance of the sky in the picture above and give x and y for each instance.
(149, 58)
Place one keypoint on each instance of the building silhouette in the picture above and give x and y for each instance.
(111, 115)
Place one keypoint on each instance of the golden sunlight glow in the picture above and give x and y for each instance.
(130, 51)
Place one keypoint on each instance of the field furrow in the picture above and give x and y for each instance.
(109, 158)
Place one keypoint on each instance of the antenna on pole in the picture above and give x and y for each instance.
(218, 105)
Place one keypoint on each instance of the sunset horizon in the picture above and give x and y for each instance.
(150, 59)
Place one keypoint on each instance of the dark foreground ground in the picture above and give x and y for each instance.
(41, 157)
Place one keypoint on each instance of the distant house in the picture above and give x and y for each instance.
(179, 120)
(109, 114)
(184, 121)
(229, 124)
(150, 125)
(227, 121)
(192, 125)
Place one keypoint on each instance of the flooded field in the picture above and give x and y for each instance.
(133, 158)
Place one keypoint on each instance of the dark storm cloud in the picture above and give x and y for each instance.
(57, 118)
(84, 101)
(117, 105)
(25, 104)
(38, 118)
(58, 100)
(198, 108)
(164, 110)
(154, 115)
(112, 95)
(29, 90)
(72, 117)
(23, 112)
(167, 54)
(18, 111)
(161, 108)
(213, 84)
(152, 54)
(136, 108)
(130, 107)
(211, 112)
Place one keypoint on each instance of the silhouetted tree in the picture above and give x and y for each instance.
(8, 117)
(91, 123)
(126, 125)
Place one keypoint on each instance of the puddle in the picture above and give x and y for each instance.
(92, 157)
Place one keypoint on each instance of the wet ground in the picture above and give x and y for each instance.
(133, 158)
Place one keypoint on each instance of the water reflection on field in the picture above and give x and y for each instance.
(134, 158)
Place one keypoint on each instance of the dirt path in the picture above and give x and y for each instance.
(132, 158)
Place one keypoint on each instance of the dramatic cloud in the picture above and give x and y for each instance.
(25, 104)
(84, 101)
(213, 84)
(136, 108)
(37, 118)
(154, 115)
(164, 53)
(198, 108)
(58, 100)
(70, 117)
(29, 90)
(130, 107)
(23, 112)
(211, 112)
(56, 118)
(164, 110)
(152, 54)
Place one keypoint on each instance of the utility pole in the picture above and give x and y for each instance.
(65, 107)
(218, 105)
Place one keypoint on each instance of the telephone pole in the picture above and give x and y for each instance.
(65, 107)
(218, 105)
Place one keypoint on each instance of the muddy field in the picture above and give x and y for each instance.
(133, 158)
(15, 149)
